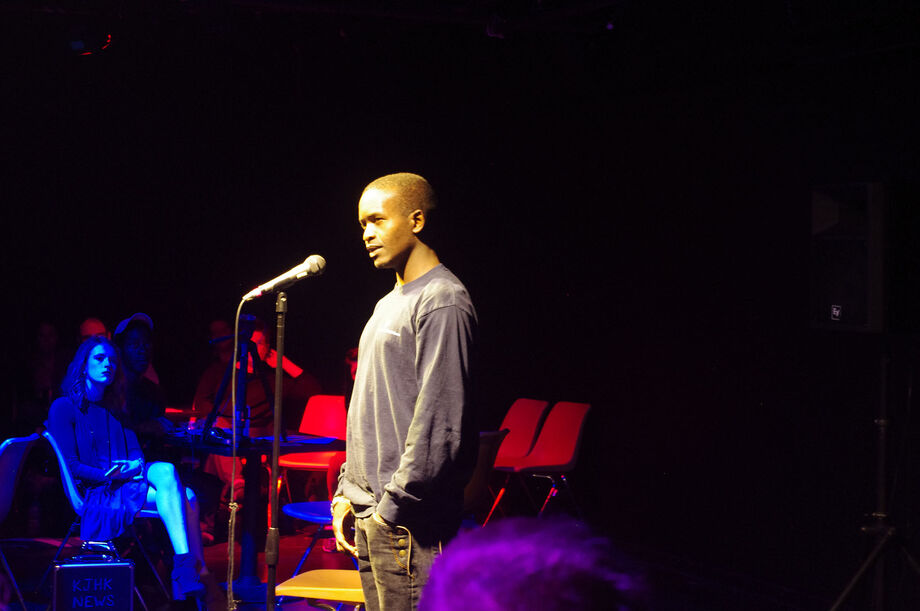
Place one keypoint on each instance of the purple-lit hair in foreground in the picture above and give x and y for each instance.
(532, 563)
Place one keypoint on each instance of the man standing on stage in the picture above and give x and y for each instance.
(411, 434)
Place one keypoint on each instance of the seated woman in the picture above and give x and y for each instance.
(106, 461)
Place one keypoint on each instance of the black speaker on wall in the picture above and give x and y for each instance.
(849, 224)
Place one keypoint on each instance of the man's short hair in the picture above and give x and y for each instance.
(413, 191)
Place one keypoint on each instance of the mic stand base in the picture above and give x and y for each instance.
(887, 537)
(886, 534)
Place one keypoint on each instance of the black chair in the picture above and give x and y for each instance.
(476, 499)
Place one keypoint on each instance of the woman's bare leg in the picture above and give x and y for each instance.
(194, 528)
(165, 494)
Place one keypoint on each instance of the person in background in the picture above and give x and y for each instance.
(259, 387)
(145, 399)
(38, 386)
(92, 326)
(298, 385)
(35, 389)
(146, 407)
(106, 460)
(221, 341)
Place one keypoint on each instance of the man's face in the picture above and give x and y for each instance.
(388, 235)
(137, 349)
(100, 365)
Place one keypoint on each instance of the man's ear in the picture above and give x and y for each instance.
(417, 220)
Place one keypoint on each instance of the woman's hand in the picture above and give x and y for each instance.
(129, 469)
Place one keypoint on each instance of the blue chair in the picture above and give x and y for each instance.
(314, 512)
(13, 453)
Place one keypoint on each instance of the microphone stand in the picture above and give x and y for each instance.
(885, 532)
(272, 539)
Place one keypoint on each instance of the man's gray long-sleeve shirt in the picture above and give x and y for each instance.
(411, 441)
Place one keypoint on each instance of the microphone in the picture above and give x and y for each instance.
(311, 266)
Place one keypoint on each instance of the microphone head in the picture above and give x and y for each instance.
(314, 264)
(311, 266)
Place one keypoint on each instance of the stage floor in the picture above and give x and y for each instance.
(29, 558)
(679, 586)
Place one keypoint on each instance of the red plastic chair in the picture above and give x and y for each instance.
(523, 421)
(324, 415)
(556, 450)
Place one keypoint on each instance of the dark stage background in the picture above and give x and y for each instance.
(625, 189)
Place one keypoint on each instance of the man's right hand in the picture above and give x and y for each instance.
(343, 521)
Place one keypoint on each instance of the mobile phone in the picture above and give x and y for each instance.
(112, 470)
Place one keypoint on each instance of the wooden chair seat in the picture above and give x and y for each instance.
(336, 585)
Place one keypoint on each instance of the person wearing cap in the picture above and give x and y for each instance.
(136, 319)
(145, 401)
(299, 385)
(221, 341)
(146, 407)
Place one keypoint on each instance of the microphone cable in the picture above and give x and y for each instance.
(233, 505)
